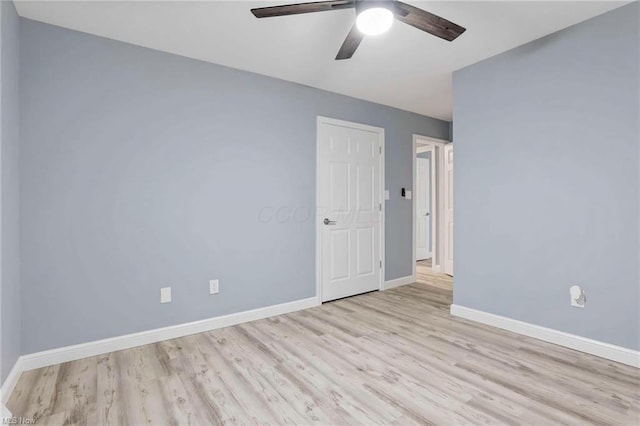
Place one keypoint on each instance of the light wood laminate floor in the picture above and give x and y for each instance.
(425, 274)
(392, 357)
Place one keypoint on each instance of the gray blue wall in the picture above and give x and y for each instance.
(142, 169)
(9, 191)
(547, 155)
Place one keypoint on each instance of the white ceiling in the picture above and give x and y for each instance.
(404, 68)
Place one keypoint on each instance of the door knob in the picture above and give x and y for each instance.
(328, 222)
(427, 214)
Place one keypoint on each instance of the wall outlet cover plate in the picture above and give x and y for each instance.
(214, 287)
(578, 296)
(165, 295)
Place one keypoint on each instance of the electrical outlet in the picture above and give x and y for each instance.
(214, 287)
(408, 195)
(578, 297)
(386, 194)
(165, 295)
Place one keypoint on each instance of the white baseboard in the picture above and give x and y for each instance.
(99, 347)
(582, 344)
(409, 279)
(10, 383)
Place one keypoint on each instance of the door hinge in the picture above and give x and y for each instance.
(381, 264)
(380, 149)
(380, 206)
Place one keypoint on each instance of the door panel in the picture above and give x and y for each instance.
(349, 186)
(339, 242)
(339, 186)
(365, 251)
(365, 182)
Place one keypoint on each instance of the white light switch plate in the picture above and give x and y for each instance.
(214, 287)
(407, 195)
(386, 194)
(165, 295)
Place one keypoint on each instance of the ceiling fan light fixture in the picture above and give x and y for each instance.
(374, 20)
(373, 17)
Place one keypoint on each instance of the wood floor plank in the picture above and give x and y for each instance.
(109, 398)
(326, 375)
(37, 396)
(393, 357)
(76, 391)
(245, 403)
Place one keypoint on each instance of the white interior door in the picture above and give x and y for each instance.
(423, 208)
(448, 209)
(349, 209)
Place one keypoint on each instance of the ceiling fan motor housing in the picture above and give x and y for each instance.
(362, 5)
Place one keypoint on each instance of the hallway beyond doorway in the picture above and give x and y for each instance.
(426, 274)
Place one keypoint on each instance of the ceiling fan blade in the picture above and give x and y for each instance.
(350, 44)
(425, 21)
(295, 9)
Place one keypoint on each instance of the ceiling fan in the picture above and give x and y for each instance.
(372, 17)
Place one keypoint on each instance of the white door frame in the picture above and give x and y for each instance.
(448, 184)
(318, 218)
(437, 209)
(420, 150)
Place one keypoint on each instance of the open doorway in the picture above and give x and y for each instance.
(432, 209)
